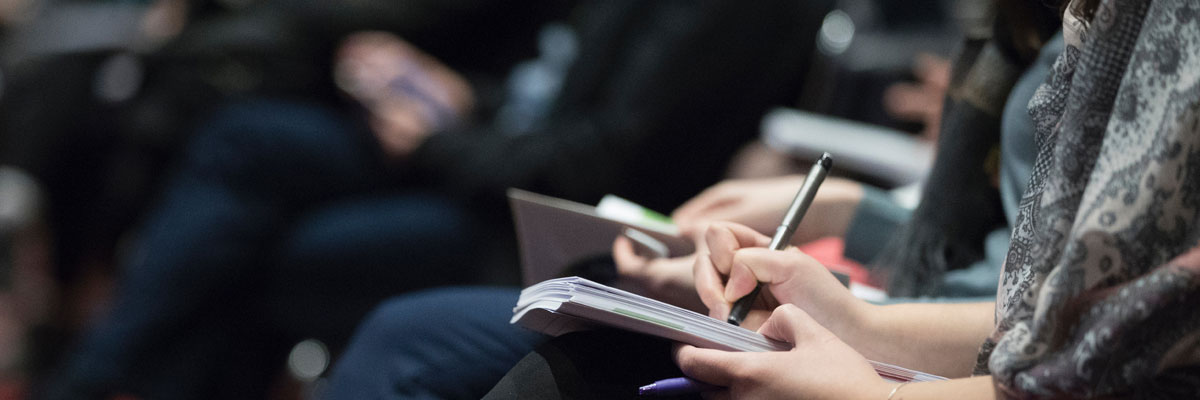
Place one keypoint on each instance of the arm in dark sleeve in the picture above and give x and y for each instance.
(651, 111)
(575, 160)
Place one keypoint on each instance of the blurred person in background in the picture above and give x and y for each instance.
(289, 217)
(97, 97)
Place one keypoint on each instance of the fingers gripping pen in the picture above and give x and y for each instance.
(783, 234)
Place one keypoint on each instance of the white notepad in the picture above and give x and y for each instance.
(564, 305)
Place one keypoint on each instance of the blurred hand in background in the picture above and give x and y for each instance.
(408, 94)
(921, 101)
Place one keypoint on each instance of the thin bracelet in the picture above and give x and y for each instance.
(896, 389)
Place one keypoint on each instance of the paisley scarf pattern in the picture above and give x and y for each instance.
(1100, 294)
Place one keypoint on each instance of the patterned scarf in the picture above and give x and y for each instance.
(1100, 294)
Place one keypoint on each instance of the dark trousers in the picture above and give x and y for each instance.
(452, 343)
(589, 365)
(280, 224)
(457, 343)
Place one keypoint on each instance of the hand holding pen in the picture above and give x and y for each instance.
(783, 234)
(739, 258)
(717, 281)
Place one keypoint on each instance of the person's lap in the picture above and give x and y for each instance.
(340, 261)
(443, 343)
(596, 364)
(262, 175)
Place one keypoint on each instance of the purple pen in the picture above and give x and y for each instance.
(675, 387)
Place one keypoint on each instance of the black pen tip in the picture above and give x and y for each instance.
(826, 161)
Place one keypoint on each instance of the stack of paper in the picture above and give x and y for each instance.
(564, 305)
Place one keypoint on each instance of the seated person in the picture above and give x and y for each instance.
(290, 219)
(415, 345)
(1098, 294)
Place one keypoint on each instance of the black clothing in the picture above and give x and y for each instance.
(660, 97)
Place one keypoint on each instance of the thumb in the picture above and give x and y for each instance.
(716, 367)
(624, 254)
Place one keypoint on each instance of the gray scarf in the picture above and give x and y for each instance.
(1100, 295)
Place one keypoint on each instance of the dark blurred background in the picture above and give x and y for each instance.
(100, 102)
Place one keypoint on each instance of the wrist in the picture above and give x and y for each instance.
(874, 389)
(895, 391)
(832, 210)
(859, 327)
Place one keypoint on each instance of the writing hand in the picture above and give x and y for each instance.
(738, 260)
